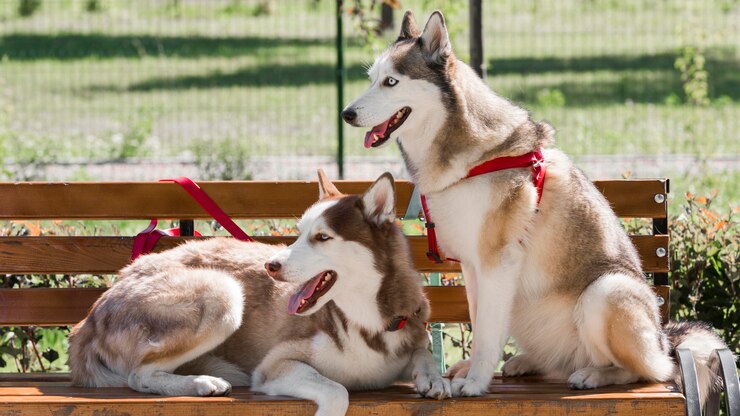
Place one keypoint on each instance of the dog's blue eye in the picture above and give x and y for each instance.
(322, 237)
(390, 82)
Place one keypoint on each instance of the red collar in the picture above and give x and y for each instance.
(397, 323)
(534, 160)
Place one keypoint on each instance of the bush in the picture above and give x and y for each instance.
(551, 98)
(225, 160)
(93, 6)
(704, 272)
(27, 8)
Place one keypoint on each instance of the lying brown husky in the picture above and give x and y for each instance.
(205, 316)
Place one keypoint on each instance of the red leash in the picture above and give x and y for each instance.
(534, 160)
(145, 241)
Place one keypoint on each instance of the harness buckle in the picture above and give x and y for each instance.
(432, 256)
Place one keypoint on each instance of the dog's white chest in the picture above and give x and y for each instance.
(357, 365)
(458, 214)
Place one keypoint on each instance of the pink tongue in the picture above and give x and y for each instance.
(378, 130)
(295, 301)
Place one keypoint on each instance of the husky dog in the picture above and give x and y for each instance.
(562, 277)
(319, 317)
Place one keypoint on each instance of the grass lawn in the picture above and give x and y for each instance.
(140, 79)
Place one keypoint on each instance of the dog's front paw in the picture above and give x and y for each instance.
(588, 378)
(433, 386)
(467, 387)
(459, 369)
(518, 365)
(211, 386)
(335, 403)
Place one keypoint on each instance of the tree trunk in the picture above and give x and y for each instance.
(386, 17)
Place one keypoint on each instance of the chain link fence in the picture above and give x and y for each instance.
(237, 89)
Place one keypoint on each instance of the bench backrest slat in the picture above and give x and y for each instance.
(285, 199)
(55, 307)
(100, 255)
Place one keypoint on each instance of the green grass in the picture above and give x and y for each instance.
(209, 70)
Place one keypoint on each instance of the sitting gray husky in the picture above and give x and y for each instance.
(310, 320)
(544, 257)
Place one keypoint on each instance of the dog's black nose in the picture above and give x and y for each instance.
(272, 268)
(349, 115)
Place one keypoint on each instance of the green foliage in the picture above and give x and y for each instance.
(27, 349)
(691, 64)
(226, 159)
(551, 98)
(27, 8)
(672, 100)
(365, 16)
(131, 142)
(262, 8)
(94, 6)
(25, 156)
(704, 269)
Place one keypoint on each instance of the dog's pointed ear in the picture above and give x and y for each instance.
(409, 28)
(379, 202)
(326, 187)
(435, 40)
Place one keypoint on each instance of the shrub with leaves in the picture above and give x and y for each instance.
(706, 283)
(691, 64)
(225, 160)
(27, 8)
(31, 348)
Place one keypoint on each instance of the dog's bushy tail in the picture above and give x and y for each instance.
(701, 339)
(85, 363)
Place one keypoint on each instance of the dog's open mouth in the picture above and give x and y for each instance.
(310, 293)
(382, 132)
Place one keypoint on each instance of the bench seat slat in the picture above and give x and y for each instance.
(75, 255)
(253, 199)
(510, 396)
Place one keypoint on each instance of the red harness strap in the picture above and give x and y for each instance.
(145, 241)
(534, 160)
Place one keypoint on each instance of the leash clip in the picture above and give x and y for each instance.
(432, 256)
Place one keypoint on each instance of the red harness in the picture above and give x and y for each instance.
(534, 160)
(145, 241)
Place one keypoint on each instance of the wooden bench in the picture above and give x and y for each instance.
(36, 394)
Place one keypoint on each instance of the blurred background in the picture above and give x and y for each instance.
(236, 89)
(110, 90)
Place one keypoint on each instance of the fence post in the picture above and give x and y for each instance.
(476, 37)
(341, 75)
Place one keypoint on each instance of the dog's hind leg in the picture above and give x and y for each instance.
(619, 325)
(519, 365)
(216, 367)
(201, 309)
